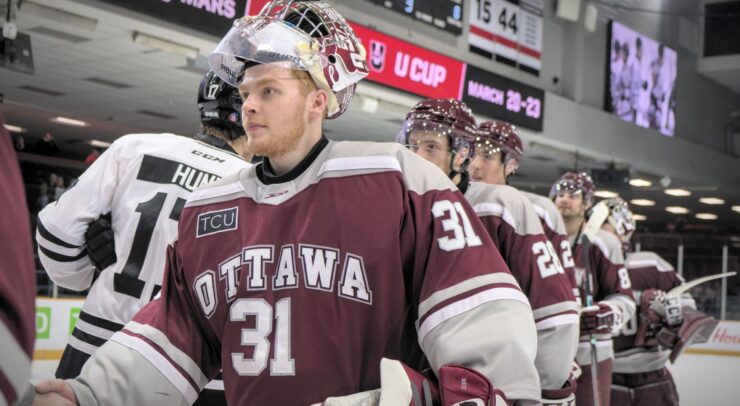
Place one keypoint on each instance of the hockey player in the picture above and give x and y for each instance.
(142, 182)
(662, 323)
(496, 154)
(609, 287)
(17, 279)
(298, 275)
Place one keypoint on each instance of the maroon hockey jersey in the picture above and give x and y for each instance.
(647, 270)
(554, 227)
(515, 229)
(297, 285)
(17, 278)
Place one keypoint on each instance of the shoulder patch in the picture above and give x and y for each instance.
(218, 221)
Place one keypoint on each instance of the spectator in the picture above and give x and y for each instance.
(92, 156)
(43, 198)
(19, 143)
(46, 145)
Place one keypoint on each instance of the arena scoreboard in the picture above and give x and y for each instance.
(443, 14)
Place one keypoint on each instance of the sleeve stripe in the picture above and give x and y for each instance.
(82, 346)
(559, 320)
(52, 238)
(88, 338)
(54, 256)
(177, 355)
(461, 306)
(462, 287)
(360, 162)
(492, 209)
(15, 364)
(646, 263)
(556, 308)
(160, 362)
(543, 214)
(99, 322)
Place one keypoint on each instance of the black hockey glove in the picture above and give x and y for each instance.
(99, 242)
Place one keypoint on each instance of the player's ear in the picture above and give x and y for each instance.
(317, 103)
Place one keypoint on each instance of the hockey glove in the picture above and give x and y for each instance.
(656, 311)
(99, 242)
(601, 318)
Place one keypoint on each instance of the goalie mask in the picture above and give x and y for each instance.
(445, 118)
(296, 34)
(621, 218)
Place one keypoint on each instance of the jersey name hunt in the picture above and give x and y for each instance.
(164, 171)
(268, 268)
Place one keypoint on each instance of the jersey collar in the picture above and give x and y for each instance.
(266, 175)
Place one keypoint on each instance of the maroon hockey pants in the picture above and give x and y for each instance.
(584, 390)
(644, 389)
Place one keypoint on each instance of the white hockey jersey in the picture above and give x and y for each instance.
(143, 180)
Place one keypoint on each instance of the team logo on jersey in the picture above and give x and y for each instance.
(377, 55)
(217, 222)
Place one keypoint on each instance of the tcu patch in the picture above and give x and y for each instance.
(217, 222)
(377, 55)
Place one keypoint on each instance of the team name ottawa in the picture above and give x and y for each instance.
(318, 269)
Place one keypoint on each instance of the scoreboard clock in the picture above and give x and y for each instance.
(443, 14)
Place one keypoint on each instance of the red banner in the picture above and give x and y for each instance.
(405, 66)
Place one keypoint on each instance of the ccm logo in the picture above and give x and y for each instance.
(217, 222)
(419, 70)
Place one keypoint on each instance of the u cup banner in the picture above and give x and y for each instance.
(402, 65)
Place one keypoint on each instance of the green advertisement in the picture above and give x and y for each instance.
(74, 314)
(43, 322)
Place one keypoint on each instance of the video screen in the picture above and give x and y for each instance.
(642, 80)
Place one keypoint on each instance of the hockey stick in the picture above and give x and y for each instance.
(598, 215)
(680, 289)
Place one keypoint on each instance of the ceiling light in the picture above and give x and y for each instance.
(606, 194)
(165, 45)
(14, 128)
(736, 208)
(712, 200)
(637, 182)
(642, 202)
(99, 144)
(69, 121)
(677, 192)
(676, 209)
(706, 216)
(639, 217)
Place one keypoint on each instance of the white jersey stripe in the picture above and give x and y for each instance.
(88, 328)
(161, 363)
(462, 287)
(560, 320)
(645, 263)
(492, 209)
(216, 384)
(360, 162)
(177, 355)
(468, 303)
(80, 345)
(14, 363)
(214, 191)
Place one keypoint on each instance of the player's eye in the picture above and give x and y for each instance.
(269, 91)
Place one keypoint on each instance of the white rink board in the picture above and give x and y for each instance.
(707, 379)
